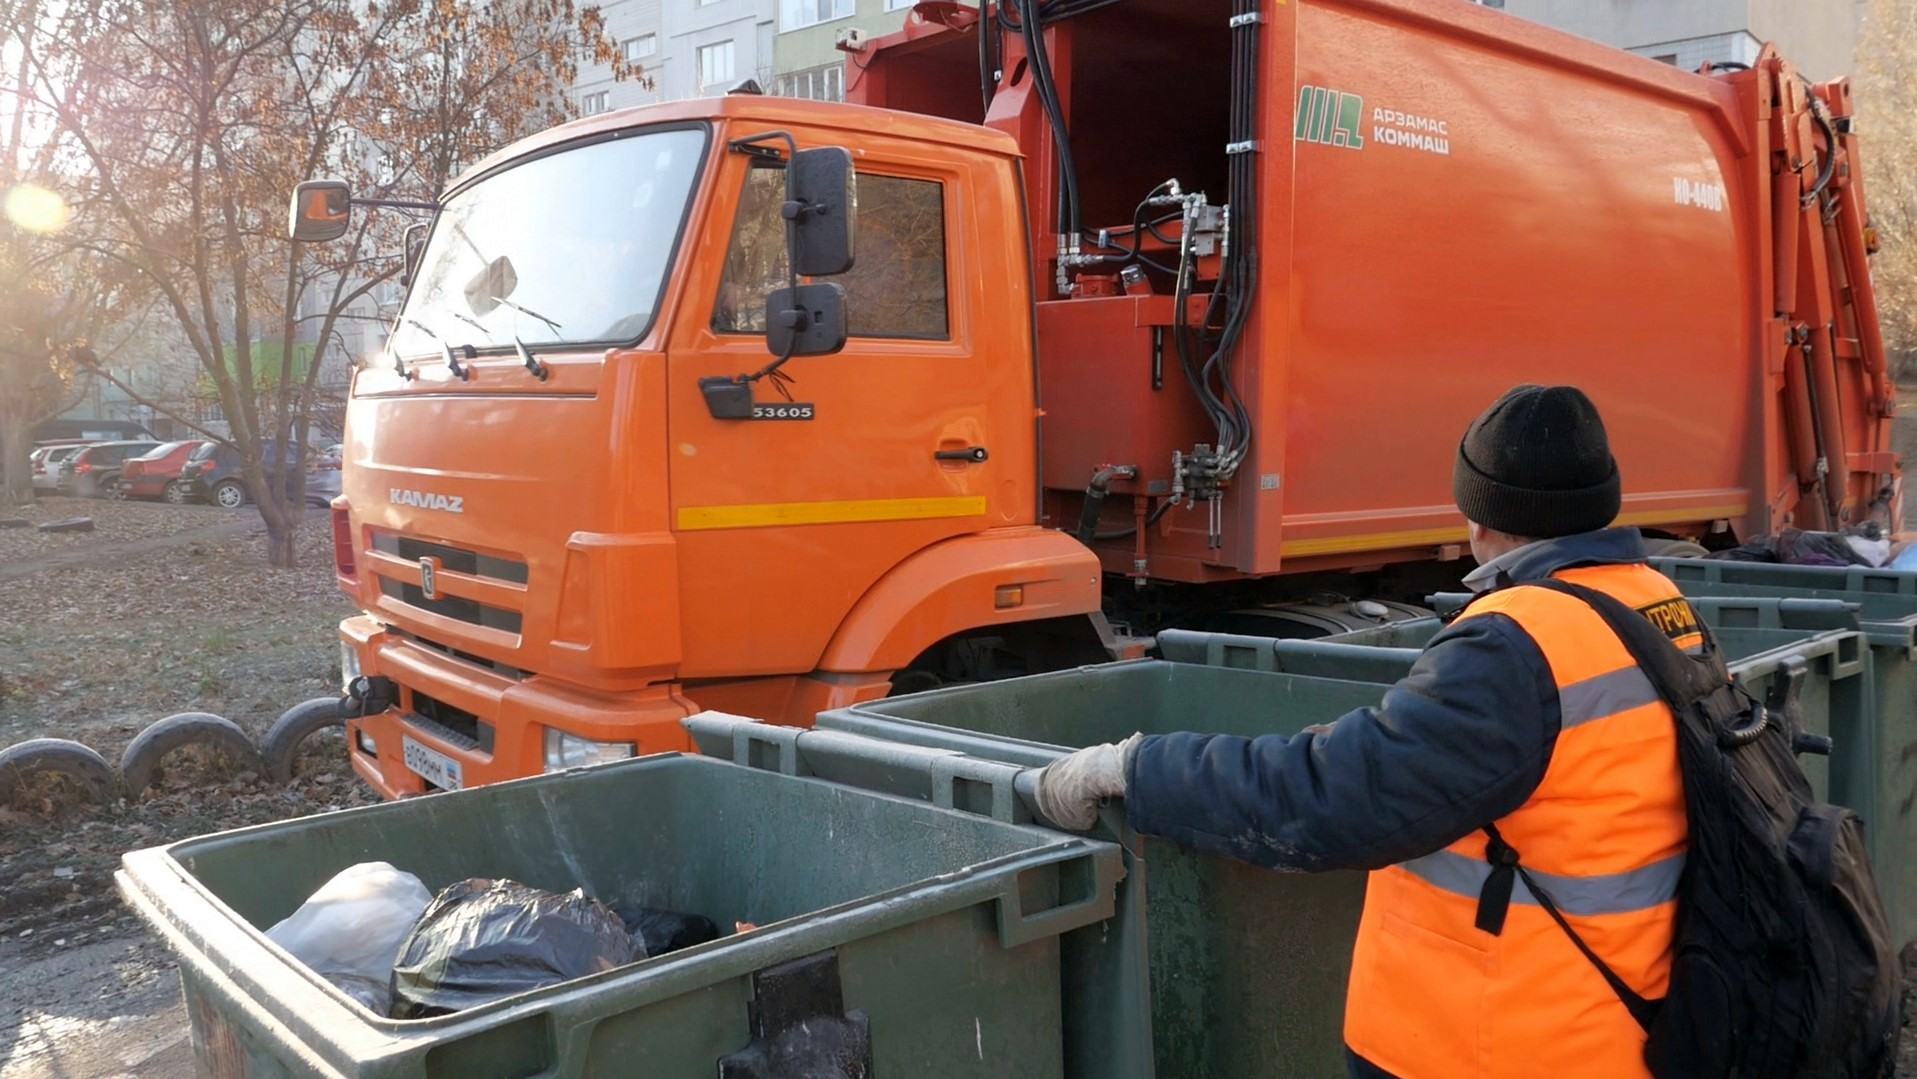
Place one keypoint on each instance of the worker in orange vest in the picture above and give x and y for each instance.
(1524, 730)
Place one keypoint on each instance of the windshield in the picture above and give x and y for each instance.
(568, 248)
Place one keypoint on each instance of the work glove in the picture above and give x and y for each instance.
(1070, 789)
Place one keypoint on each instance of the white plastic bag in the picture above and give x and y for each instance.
(350, 930)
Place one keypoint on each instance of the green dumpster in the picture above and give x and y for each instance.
(1247, 967)
(1866, 710)
(1834, 690)
(941, 926)
(1886, 608)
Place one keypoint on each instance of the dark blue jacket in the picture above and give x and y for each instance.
(1461, 742)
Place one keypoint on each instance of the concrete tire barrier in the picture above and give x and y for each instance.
(71, 524)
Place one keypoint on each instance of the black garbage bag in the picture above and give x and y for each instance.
(660, 931)
(1794, 546)
(374, 995)
(481, 940)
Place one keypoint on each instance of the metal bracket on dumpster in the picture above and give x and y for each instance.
(800, 1026)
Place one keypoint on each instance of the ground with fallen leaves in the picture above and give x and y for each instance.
(159, 610)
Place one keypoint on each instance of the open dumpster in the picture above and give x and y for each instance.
(932, 930)
(1248, 966)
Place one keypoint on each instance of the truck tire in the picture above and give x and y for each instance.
(143, 755)
(281, 746)
(229, 495)
(176, 494)
(57, 756)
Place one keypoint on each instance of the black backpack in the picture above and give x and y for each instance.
(1782, 965)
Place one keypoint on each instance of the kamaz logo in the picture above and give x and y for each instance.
(1330, 117)
(428, 501)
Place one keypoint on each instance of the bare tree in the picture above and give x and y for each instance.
(43, 354)
(1887, 104)
(182, 129)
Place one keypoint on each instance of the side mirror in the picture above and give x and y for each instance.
(491, 285)
(806, 321)
(822, 206)
(320, 211)
(414, 245)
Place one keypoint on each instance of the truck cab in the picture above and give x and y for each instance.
(560, 545)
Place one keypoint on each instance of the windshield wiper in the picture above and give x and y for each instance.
(474, 323)
(453, 365)
(526, 311)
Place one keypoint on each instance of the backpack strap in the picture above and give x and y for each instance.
(1494, 902)
(1676, 677)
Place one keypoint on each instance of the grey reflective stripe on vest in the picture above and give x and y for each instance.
(1605, 696)
(1615, 893)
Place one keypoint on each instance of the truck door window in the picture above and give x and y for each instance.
(896, 287)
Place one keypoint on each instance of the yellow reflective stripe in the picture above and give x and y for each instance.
(1376, 541)
(708, 518)
(1434, 537)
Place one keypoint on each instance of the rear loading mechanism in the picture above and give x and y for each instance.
(1100, 91)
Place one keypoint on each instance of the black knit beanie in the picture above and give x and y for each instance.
(1537, 464)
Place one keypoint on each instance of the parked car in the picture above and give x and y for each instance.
(94, 472)
(212, 474)
(323, 485)
(51, 476)
(38, 459)
(156, 473)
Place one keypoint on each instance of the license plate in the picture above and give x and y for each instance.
(431, 765)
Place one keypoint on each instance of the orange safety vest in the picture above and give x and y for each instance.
(1604, 835)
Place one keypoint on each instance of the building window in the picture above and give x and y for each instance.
(1668, 58)
(899, 5)
(715, 65)
(638, 48)
(796, 14)
(1488, 3)
(896, 288)
(825, 83)
(596, 102)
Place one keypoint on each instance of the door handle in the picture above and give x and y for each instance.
(971, 455)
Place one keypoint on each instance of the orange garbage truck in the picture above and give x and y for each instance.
(1079, 320)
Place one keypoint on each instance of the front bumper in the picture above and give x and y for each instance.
(489, 723)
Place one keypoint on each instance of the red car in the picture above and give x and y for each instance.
(157, 474)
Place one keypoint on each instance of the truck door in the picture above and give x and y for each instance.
(914, 433)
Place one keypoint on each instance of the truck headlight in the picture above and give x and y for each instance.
(348, 666)
(565, 751)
